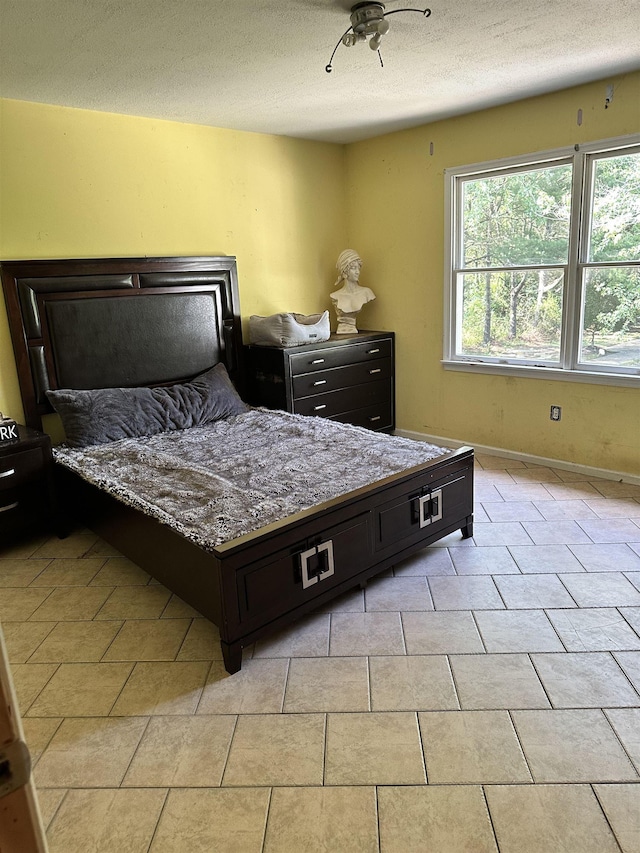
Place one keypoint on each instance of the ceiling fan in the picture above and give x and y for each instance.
(369, 19)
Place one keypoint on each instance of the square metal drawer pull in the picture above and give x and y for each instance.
(423, 510)
(311, 578)
(8, 507)
(320, 382)
(436, 505)
(376, 370)
(318, 408)
(8, 473)
(318, 361)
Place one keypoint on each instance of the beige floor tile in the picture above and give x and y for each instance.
(444, 632)
(601, 557)
(511, 511)
(630, 662)
(317, 820)
(182, 752)
(621, 804)
(38, 731)
(632, 615)
(107, 821)
(29, 679)
(549, 819)
(327, 684)
(465, 593)
(528, 592)
(374, 749)
(412, 683)
(584, 680)
(119, 571)
(546, 559)
(572, 491)
(148, 639)
(80, 689)
(471, 747)
(257, 688)
(603, 589)
(21, 549)
(202, 642)
(408, 593)
(557, 532)
(611, 529)
(614, 489)
(89, 753)
(71, 604)
(593, 630)
(69, 572)
(490, 462)
(134, 602)
(178, 609)
(517, 631)
(49, 800)
(494, 682)
(214, 821)
(614, 507)
(102, 549)
(561, 510)
(18, 604)
(18, 573)
(350, 602)
(276, 749)
(304, 639)
(492, 560)
(366, 634)
(76, 642)
(442, 819)
(158, 688)
(73, 546)
(23, 638)
(430, 561)
(534, 474)
(626, 722)
(572, 746)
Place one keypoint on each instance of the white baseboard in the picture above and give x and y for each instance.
(588, 470)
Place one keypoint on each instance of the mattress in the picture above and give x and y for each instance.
(218, 482)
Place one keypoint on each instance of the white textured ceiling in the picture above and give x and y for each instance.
(260, 65)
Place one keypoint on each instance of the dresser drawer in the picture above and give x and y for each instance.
(21, 467)
(341, 377)
(377, 417)
(321, 359)
(346, 400)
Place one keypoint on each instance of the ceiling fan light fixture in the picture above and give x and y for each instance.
(369, 19)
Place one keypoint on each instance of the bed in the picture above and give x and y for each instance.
(255, 555)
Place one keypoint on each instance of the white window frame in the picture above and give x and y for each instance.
(569, 368)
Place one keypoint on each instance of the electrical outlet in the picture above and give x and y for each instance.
(556, 413)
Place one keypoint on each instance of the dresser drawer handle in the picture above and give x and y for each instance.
(320, 382)
(376, 370)
(318, 408)
(318, 361)
(375, 418)
(373, 351)
(8, 507)
(8, 473)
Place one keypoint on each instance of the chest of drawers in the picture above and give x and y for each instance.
(26, 498)
(349, 378)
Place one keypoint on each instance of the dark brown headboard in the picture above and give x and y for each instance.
(119, 322)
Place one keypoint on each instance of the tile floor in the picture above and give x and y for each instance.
(481, 697)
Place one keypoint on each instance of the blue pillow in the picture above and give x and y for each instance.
(109, 414)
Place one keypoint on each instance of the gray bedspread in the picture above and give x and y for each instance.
(221, 481)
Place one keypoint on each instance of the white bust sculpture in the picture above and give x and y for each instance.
(349, 299)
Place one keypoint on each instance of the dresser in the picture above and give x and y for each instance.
(26, 496)
(349, 378)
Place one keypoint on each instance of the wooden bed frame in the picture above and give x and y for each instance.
(152, 321)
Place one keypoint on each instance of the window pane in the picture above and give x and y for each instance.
(611, 317)
(512, 315)
(615, 223)
(517, 220)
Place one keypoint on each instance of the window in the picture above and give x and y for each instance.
(543, 271)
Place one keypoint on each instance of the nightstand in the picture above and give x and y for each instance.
(349, 378)
(26, 484)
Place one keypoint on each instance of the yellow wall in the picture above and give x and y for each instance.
(75, 183)
(396, 222)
